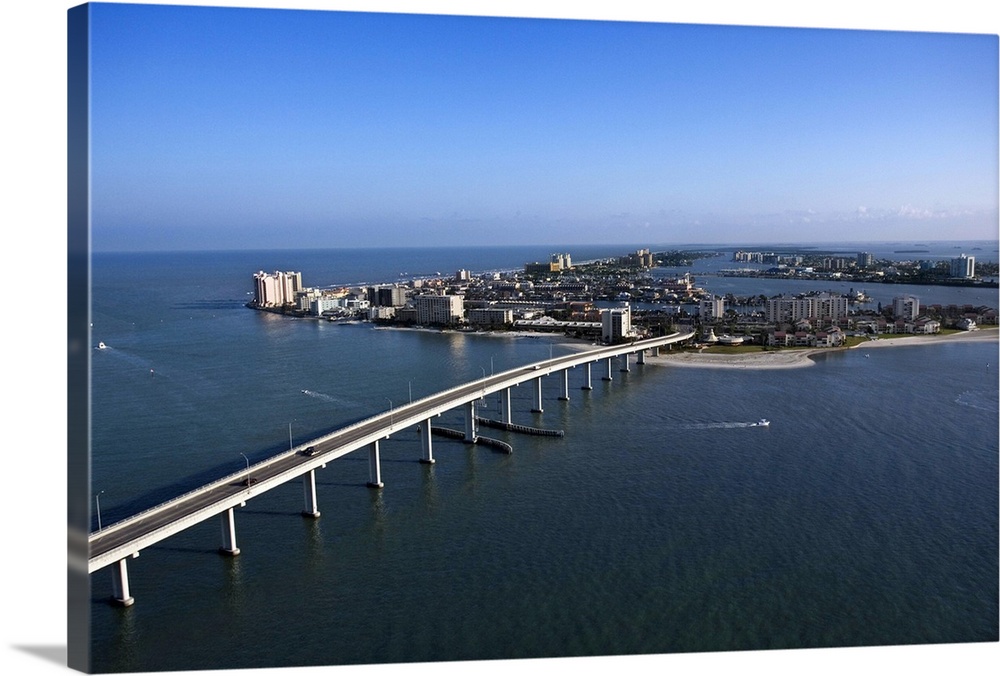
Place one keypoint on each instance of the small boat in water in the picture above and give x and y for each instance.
(763, 422)
(101, 346)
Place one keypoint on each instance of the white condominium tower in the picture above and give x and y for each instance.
(711, 308)
(616, 323)
(439, 309)
(905, 307)
(276, 289)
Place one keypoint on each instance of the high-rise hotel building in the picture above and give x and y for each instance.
(276, 289)
(439, 309)
(963, 266)
(386, 296)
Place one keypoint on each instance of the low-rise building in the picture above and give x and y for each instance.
(490, 317)
(321, 305)
(832, 337)
(381, 312)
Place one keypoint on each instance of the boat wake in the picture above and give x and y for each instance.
(721, 425)
(126, 357)
(328, 398)
(982, 400)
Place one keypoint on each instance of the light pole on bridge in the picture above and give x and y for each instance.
(98, 498)
(248, 469)
(390, 410)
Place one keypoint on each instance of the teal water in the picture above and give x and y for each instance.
(866, 514)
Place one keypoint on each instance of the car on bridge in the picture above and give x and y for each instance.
(310, 451)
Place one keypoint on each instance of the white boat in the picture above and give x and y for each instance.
(763, 422)
(101, 346)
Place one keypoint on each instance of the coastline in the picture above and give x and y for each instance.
(775, 359)
(795, 358)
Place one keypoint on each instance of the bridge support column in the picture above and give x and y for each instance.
(565, 394)
(309, 492)
(374, 467)
(587, 385)
(641, 357)
(608, 376)
(625, 368)
(426, 452)
(505, 405)
(228, 521)
(119, 583)
(538, 396)
(470, 423)
(656, 351)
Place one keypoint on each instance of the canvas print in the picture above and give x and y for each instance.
(402, 338)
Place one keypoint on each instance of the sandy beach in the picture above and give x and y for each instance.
(793, 358)
(776, 359)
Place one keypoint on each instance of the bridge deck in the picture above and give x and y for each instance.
(125, 538)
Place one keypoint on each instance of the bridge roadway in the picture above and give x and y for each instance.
(124, 539)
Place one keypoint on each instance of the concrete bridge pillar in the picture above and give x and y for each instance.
(641, 359)
(119, 583)
(587, 385)
(309, 491)
(505, 405)
(228, 521)
(608, 376)
(565, 394)
(374, 467)
(625, 368)
(426, 452)
(656, 351)
(538, 396)
(470, 422)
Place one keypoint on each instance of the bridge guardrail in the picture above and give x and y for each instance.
(583, 358)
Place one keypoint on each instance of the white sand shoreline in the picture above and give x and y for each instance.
(773, 359)
(799, 358)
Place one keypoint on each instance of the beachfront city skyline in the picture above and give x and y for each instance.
(220, 128)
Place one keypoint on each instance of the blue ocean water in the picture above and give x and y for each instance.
(866, 514)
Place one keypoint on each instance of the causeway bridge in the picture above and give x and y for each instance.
(113, 545)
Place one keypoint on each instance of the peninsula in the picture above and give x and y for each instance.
(630, 297)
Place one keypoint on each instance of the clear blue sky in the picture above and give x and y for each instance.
(217, 128)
